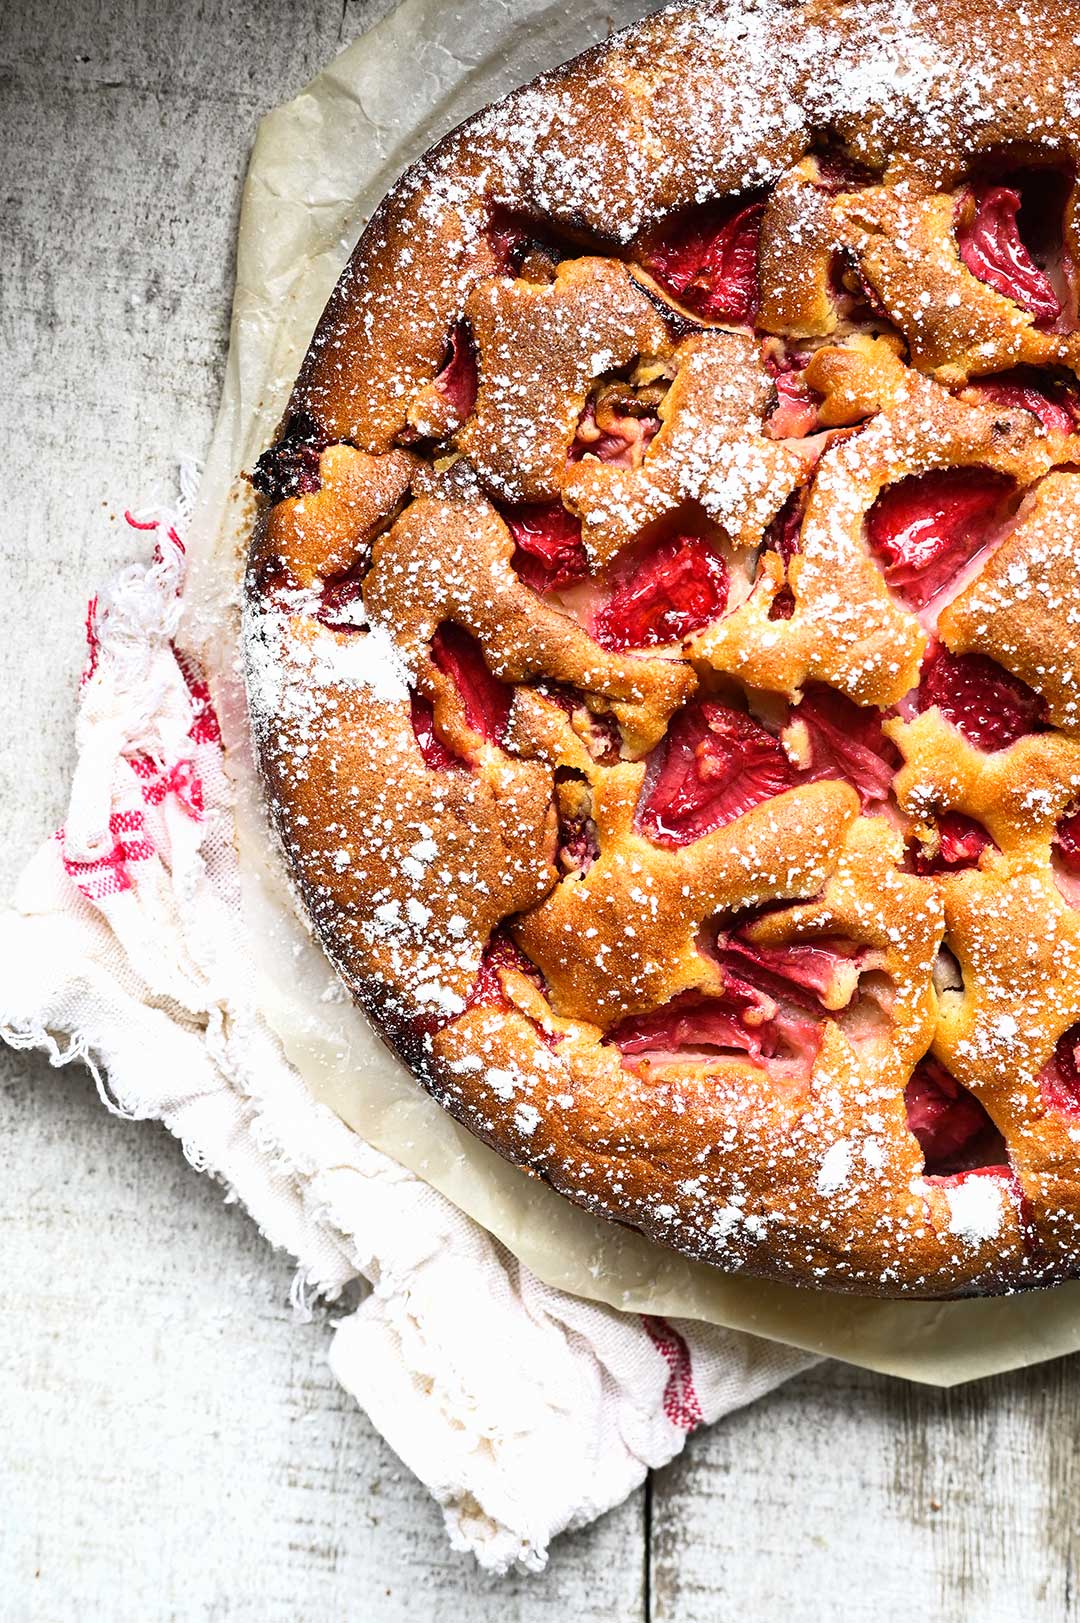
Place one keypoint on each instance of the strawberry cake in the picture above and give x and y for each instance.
(662, 636)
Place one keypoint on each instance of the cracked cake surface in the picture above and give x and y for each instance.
(661, 635)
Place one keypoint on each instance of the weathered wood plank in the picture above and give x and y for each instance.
(847, 1495)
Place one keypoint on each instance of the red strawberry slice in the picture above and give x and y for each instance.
(436, 755)
(954, 1131)
(709, 262)
(1056, 407)
(993, 250)
(514, 241)
(714, 765)
(1059, 1078)
(486, 700)
(990, 706)
(500, 953)
(548, 550)
(962, 843)
(847, 741)
(736, 1024)
(677, 589)
(458, 379)
(291, 467)
(1067, 842)
(815, 974)
(926, 528)
(623, 440)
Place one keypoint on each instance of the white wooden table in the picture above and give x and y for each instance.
(172, 1444)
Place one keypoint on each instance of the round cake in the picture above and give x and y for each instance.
(662, 636)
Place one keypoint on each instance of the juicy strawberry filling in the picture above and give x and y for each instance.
(990, 706)
(485, 700)
(500, 953)
(838, 173)
(458, 380)
(741, 1022)
(846, 741)
(507, 238)
(548, 550)
(796, 411)
(993, 250)
(622, 440)
(1055, 406)
(954, 1131)
(784, 536)
(436, 755)
(1067, 842)
(1059, 1078)
(710, 263)
(714, 765)
(514, 241)
(926, 528)
(815, 973)
(681, 586)
(291, 467)
(962, 843)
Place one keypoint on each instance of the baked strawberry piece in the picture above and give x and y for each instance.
(990, 706)
(709, 262)
(961, 841)
(823, 973)
(617, 426)
(714, 765)
(458, 378)
(797, 405)
(1059, 1079)
(485, 700)
(1067, 842)
(677, 588)
(926, 528)
(784, 536)
(548, 550)
(500, 954)
(846, 741)
(954, 1131)
(1054, 404)
(743, 1023)
(436, 755)
(291, 466)
(992, 248)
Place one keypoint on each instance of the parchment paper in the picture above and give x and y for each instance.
(320, 166)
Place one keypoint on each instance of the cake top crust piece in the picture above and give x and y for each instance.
(661, 631)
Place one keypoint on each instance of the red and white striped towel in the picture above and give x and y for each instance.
(534, 1411)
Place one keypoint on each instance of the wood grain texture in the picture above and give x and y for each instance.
(846, 1495)
(173, 1445)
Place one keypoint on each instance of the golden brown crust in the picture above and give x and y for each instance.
(671, 420)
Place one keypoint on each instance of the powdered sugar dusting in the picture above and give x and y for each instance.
(760, 937)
